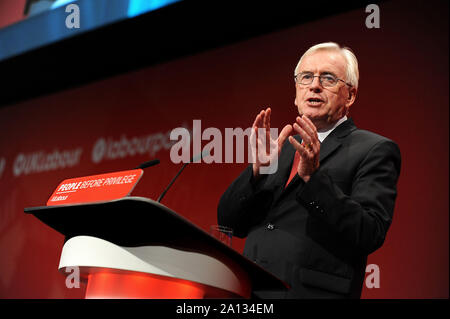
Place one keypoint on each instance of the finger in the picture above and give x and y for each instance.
(312, 133)
(310, 123)
(259, 121)
(305, 137)
(304, 153)
(299, 147)
(254, 136)
(285, 132)
(267, 118)
(310, 128)
(315, 141)
(263, 149)
(294, 143)
(254, 144)
(267, 126)
(307, 128)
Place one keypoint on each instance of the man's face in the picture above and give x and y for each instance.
(324, 105)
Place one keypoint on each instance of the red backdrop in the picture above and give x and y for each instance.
(11, 12)
(403, 95)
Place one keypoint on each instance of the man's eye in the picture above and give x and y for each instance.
(328, 78)
(306, 76)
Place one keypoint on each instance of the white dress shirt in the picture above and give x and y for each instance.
(324, 134)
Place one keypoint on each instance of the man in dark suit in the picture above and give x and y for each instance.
(330, 202)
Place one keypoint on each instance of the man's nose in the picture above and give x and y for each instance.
(316, 86)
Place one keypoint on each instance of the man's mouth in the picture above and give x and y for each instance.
(314, 101)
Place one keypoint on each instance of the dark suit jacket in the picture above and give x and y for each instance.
(316, 236)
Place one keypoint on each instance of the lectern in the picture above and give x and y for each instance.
(134, 247)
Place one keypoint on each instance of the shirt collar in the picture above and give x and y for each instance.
(324, 134)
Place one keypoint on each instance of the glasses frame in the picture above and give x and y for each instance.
(320, 79)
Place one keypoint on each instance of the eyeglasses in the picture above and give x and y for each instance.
(326, 79)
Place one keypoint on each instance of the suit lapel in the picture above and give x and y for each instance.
(334, 140)
(331, 144)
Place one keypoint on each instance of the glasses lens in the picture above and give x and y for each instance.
(305, 78)
(328, 80)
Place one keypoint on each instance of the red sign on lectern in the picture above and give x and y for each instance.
(95, 188)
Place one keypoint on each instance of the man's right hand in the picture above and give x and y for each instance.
(262, 120)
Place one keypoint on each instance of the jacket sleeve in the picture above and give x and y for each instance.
(362, 219)
(244, 203)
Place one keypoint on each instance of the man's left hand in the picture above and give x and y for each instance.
(309, 149)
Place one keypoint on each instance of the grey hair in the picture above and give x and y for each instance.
(352, 72)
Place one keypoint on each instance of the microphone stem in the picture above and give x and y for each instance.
(171, 182)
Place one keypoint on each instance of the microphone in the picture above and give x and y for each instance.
(193, 159)
(148, 164)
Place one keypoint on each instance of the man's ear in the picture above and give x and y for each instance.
(351, 97)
